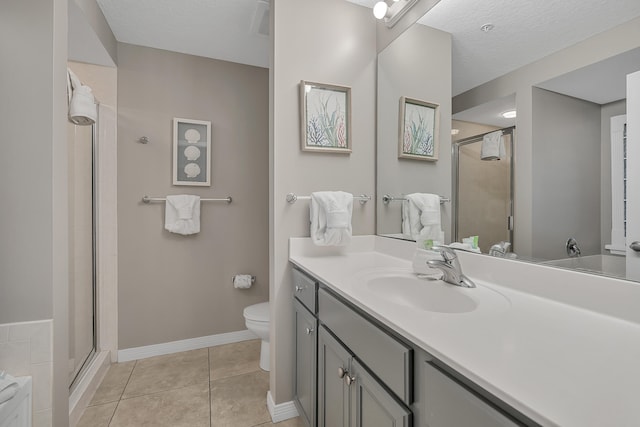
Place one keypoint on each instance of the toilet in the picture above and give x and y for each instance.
(256, 318)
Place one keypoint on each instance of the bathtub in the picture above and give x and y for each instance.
(611, 265)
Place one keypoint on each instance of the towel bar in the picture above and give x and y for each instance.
(292, 198)
(147, 199)
(387, 198)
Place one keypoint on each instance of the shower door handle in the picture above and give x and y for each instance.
(510, 223)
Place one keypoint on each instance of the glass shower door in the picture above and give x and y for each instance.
(483, 193)
(81, 248)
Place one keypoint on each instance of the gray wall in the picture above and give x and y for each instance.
(329, 41)
(417, 65)
(33, 180)
(174, 287)
(566, 174)
(26, 161)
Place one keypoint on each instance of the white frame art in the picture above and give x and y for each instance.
(418, 130)
(191, 152)
(325, 118)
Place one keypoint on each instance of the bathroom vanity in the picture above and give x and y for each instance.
(376, 346)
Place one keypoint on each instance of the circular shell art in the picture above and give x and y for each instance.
(192, 136)
(192, 170)
(192, 153)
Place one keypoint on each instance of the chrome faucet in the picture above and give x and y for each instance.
(572, 248)
(450, 267)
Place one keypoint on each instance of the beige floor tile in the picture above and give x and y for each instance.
(293, 422)
(240, 401)
(234, 359)
(168, 372)
(183, 407)
(97, 416)
(113, 383)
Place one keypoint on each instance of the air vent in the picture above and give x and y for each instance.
(260, 23)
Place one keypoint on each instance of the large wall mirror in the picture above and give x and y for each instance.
(561, 168)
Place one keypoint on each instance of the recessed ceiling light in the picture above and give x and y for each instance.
(455, 131)
(487, 27)
(511, 114)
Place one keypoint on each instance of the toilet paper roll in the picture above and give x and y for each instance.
(243, 281)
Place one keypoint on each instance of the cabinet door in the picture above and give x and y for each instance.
(333, 366)
(305, 372)
(448, 403)
(371, 404)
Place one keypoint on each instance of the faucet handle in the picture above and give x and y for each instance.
(447, 253)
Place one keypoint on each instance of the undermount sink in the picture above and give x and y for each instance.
(404, 288)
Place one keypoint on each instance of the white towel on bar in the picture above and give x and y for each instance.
(83, 110)
(182, 214)
(330, 215)
(421, 217)
(492, 146)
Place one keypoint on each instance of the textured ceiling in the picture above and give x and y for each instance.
(221, 29)
(525, 31)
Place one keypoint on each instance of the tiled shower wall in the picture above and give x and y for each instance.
(26, 349)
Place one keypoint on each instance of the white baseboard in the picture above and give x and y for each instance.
(136, 353)
(87, 386)
(281, 411)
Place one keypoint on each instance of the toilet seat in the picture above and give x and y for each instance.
(257, 312)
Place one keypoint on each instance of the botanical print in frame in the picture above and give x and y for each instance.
(418, 129)
(191, 152)
(325, 117)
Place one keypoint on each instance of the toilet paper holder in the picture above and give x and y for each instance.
(253, 279)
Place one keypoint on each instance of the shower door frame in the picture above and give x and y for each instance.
(455, 170)
(94, 256)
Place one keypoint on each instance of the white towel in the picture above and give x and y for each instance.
(182, 214)
(421, 217)
(492, 146)
(8, 387)
(330, 215)
(82, 104)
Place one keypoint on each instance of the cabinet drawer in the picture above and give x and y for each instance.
(304, 289)
(390, 359)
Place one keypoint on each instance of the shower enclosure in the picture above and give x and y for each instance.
(82, 254)
(483, 192)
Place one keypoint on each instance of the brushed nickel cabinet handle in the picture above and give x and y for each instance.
(350, 380)
(635, 246)
(308, 331)
(341, 372)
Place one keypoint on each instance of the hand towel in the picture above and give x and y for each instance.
(330, 215)
(492, 146)
(182, 214)
(8, 387)
(82, 105)
(421, 217)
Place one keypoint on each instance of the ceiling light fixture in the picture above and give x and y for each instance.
(510, 114)
(487, 27)
(380, 9)
(455, 131)
(392, 10)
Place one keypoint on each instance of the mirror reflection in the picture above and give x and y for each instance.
(557, 194)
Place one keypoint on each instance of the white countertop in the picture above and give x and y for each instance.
(559, 364)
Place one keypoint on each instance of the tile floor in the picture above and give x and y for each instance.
(212, 387)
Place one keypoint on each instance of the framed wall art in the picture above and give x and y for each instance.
(191, 152)
(418, 129)
(325, 117)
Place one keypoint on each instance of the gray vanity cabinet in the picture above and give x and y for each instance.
(348, 395)
(306, 341)
(333, 393)
(448, 403)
